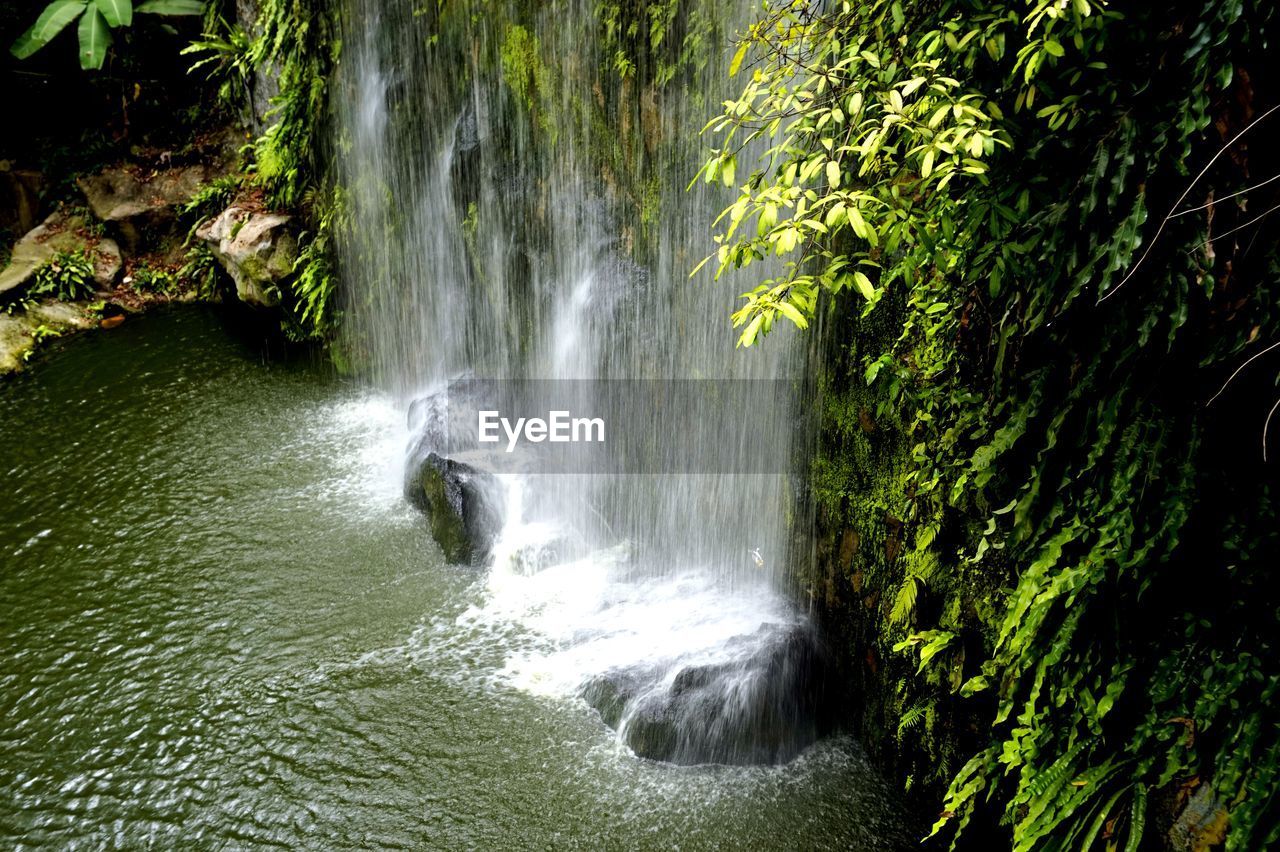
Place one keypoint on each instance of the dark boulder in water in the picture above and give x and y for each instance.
(769, 703)
(459, 504)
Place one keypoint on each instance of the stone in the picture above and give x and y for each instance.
(19, 197)
(126, 192)
(140, 205)
(257, 249)
(60, 232)
(1202, 825)
(765, 706)
(459, 503)
(17, 331)
(107, 263)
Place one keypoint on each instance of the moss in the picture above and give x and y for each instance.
(529, 77)
(891, 564)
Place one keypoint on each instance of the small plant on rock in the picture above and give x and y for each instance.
(200, 269)
(67, 276)
(19, 305)
(39, 336)
(153, 279)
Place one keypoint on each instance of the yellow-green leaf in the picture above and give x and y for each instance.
(738, 56)
(790, 311)
(749, 333)
(864, 285)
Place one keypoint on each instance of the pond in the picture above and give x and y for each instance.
(222, 625)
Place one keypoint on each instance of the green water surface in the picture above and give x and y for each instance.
(221, 627)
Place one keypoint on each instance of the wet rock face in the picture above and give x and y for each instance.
(257, 249)
(459, 504)
(768, 704)
(462, 504)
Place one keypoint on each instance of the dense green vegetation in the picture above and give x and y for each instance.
(274, 78)
(96, 21)
(295, 44)
(1047, 215)
(1035, 239)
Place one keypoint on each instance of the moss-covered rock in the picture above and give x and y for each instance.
(458, 503)
(257, 249)
(22, 332)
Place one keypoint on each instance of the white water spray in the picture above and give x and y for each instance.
(498, 233)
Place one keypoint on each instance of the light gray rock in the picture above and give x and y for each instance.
(59, 233)
(1202, 825)
(120, 193)
(142, 206)
(17, 332)
(257, 249)
(107, 262)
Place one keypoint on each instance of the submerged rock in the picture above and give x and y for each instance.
(462, 503)
(257, 249)
(765, 706)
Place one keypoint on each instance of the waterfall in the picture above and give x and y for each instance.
(519, 211)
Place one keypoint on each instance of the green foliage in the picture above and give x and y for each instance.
(146, 278)
(201, 269)
(66, 276)
(213, 197)
(523, 68)
(19, 304)
(298, 41)
(227, 59)
(655, 41)
(978, 178)
(40, 334)
(97, 19)
(315, 282)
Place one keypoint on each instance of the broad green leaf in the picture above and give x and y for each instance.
(52, 20)
(727, 170)
(119, 13)
(171, 7)
(95, 38)
(864, 285)
(833, 174)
